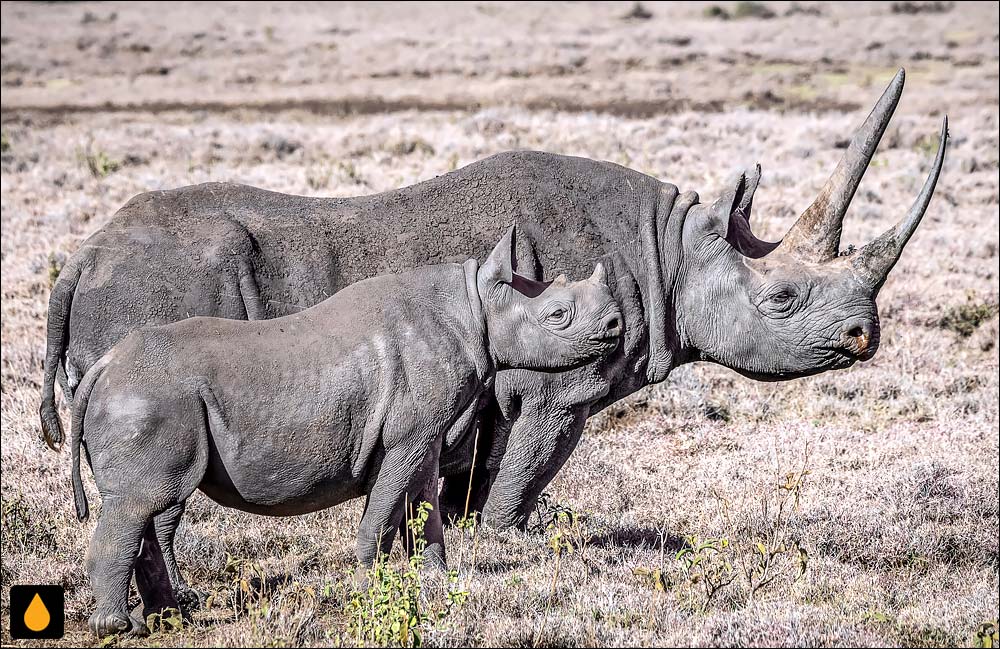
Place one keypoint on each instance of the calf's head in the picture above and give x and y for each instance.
(800, 306)
(545, 325)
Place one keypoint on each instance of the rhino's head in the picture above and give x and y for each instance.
(545, 325)
(799, 306)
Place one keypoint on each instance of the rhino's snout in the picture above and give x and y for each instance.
(860, 338)
(610, 328)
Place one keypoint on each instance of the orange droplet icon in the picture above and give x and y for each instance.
(36, 616)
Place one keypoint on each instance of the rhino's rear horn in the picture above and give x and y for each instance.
(816, 235)
(873, 262)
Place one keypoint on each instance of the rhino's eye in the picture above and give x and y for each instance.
(558, 317)
(781, 297)
(779, 300)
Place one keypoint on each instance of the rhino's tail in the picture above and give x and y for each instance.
(76, 433)
(55, 348)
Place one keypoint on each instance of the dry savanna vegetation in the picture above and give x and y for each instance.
(852, 508)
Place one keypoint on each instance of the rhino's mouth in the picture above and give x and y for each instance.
(606, 341)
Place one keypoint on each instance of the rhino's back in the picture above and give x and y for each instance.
(169, 255)
(570, 206)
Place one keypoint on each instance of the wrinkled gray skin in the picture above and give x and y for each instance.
(355, 396)
(692, 281)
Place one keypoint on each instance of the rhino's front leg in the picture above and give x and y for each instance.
(403, 476)
(539, 425)
(433, 528)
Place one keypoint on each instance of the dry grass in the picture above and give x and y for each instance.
(898, 514)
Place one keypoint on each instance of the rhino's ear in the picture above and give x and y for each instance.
(499, 266)
(730, 217)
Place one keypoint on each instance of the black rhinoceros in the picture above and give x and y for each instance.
(692, 280)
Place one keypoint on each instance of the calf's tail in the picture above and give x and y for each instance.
(60, 302)
(76, 433)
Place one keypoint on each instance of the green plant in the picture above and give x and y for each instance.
(707, 566)
(965, 318)
(715, 11)
(752, 10)
(318, 176)
(168, 620)
(349, 171)
(56, 263)
(4, 142)
(98, 162)
(391, 611)
(987, 635)
(408, 146)
(772, 552)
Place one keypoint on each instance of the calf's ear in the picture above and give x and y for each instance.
(499, 266)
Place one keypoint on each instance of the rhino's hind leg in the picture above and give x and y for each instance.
(151, 575)
(188, 599)
(113, 551)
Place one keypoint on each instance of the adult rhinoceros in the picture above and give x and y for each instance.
(692, 280)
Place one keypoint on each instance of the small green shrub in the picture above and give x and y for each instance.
(99, 163)
(965, 318)
(391, 611)
(350, 172)
(168, 620)
(24, 531)
(318, 177)
(752, 10)
(707, 566)
(56, 263)
(987, 636)
(414, 145)
(715, 11)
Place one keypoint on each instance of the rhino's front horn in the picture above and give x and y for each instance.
(816, 235)
(873, 262)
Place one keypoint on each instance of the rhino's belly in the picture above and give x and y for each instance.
(278, 489)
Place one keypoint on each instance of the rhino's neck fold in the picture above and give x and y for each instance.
(660, 219)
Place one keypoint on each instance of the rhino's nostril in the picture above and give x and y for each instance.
(856, 332)
(612, 324)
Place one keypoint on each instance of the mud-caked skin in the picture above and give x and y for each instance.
(692, 280)
(356, 396)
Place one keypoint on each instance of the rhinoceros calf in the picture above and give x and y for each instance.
(357, 395)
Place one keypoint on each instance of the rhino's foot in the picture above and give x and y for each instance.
(189, 600)
(501, 518)
(105, 624)
(434, 559)
(361, 578)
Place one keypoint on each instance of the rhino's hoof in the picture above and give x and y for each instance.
(189, 600)
(360, 579)
(118, 622)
